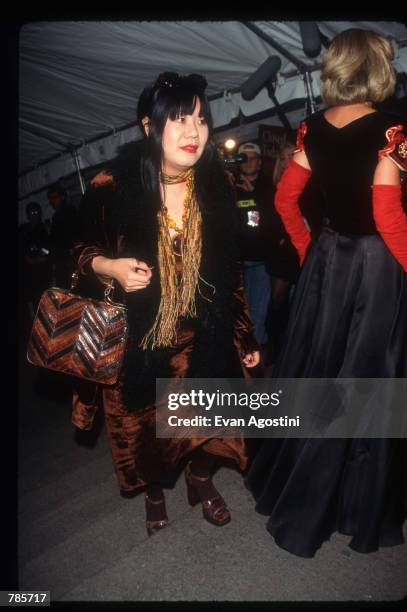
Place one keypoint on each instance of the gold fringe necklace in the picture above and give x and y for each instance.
(177, 291)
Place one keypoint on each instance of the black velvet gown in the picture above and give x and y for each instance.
(348, 319)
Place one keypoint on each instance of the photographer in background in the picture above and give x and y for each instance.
(35, 267)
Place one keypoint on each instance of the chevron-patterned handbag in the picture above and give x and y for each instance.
(79, 336)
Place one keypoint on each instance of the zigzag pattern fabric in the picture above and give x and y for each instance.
(78, 336)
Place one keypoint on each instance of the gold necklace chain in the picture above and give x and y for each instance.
(171, 223)
(172, 179)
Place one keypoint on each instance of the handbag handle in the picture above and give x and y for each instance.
(108, 290)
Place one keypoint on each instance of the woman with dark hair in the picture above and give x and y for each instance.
(348, 318)
(162, 224)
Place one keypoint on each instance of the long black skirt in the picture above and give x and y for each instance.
(348, 319)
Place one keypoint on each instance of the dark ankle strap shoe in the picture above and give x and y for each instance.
(214, 508)
(155, 525)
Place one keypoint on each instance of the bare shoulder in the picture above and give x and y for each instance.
(386, 173)
(301, 159)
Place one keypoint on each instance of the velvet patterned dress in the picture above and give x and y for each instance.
(348, 320)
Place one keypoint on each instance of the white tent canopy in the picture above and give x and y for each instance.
(80, 82)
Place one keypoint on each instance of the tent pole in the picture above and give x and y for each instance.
(74, 154)
(279, 110)
(308, 89)
(256, 30)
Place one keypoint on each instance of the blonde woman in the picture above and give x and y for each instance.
(285, 154)
(349, 314)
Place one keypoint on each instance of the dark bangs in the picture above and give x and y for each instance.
(185, 103)
(178, 95)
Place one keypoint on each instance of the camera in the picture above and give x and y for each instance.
(231, 159)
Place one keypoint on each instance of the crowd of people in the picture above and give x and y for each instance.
(217, 273)
(45, 249)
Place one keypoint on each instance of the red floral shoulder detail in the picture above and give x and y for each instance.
(302, 130)
(396, 149)
(103, 179)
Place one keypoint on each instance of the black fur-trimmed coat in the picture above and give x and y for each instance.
(117, 220)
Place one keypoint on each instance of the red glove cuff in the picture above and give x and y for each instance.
(391, 220)
(289, 189)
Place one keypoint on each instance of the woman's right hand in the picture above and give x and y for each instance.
(131, 273)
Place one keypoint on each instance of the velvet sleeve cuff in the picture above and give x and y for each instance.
(83, 256)
(244, 337)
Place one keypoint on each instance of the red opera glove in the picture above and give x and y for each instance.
(391, 220)
(289, 189)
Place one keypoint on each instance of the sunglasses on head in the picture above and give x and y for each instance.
(173, 79)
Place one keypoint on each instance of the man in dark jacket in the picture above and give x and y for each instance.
(252, 203)
(35, 268)
(63, 235)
